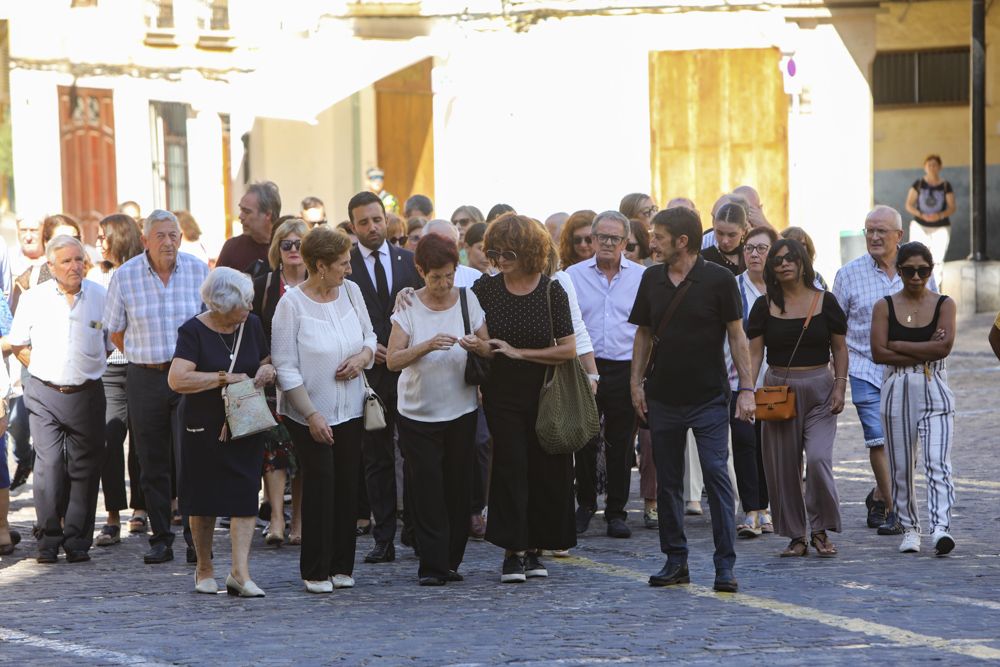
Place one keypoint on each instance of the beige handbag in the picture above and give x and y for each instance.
(374, 409)
(246, 406)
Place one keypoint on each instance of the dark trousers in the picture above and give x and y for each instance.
(68, 434)
(747, 462)
(668, 425)
(439, 465)
(379, 450)
(20, 432)
(116, 430)
(156, 427)
(329, 498)
(614, 402)
(481, 463)
(531, 492)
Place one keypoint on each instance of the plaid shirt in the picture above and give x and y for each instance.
(858, 286)
(150, 312)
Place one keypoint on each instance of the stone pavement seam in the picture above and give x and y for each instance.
(76, 650)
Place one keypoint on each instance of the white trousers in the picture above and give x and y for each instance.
(694, 483)
(936, 239)
(918, 408)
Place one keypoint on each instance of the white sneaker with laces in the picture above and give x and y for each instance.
(910, 543)
(943, 542)
(342, 581)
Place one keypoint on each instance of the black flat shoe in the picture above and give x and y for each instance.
(48, 555)
(361, 531)
(160, 553)
(454, 576)
(8, 549)
(382, 552)
(432, 581)
(725, 582)
(582, 519)
(671, 575)
(77, 556)
(618, 528)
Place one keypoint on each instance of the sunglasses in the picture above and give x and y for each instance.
(909, 271)
(790, 257)
(495, 255)
(288, 245)
(630, 247)
(396, 240)
(461, 222)
(580, 240)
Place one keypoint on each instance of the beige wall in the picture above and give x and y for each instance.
(903, 137)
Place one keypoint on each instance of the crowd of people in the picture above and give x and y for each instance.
(386, 338)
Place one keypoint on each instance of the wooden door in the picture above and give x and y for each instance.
(405, 134)
(719, 119)
(87, 142)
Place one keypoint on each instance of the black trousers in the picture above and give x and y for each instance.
(481, 462)
(68, 433)
(614, 402)
(747, 462)
(438, 460)
(329, 498)
(379, 450)
(116, 429)
(156, 427)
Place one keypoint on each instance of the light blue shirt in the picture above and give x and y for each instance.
(606, 306)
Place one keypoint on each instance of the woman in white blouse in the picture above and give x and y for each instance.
(322, 340)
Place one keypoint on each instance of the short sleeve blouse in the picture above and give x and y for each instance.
(780, 334)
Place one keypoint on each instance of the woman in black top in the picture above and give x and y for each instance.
(931, 202)
(730, 227)
(531, 493)
(776, 321)
(916, 400)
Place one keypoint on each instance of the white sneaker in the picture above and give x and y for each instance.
(342, 581)
(318, 586)
(943, 542)
(910, 543)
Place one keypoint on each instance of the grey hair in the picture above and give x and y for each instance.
(60, 242)
(442, 228)
(268, 198)
(897, 219)
(158, 215)
(612, 215)
(227, 289)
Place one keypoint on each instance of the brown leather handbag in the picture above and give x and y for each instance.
(777, 403)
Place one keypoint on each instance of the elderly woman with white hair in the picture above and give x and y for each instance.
(220, 476)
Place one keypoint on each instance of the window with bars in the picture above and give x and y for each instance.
(907, 78)
(170, 157)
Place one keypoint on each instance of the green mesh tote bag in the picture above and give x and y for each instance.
(567, 413)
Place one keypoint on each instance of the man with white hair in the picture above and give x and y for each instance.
(58, 335)
(465, 276)
(554, 224)
(149, 297)
(858, 286)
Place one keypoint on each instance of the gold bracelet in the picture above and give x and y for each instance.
(222, 378)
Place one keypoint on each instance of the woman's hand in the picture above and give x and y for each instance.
(265, 375)
(319, 429)
(837, 401)
(440, 342)
(939, 335)
(404, 299)
(476, 345)
(351, 367)
(503, 347)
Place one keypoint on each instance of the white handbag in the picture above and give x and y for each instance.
(246, 406)
(374, 408)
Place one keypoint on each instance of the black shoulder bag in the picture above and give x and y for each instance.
(477, 369)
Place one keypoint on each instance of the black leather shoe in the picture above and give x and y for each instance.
(432, 581)
(671, 575)
(406, 536)
(382, 552)
(618, 528)
(454, 576)
(48, 555)
(160, 553)
(77, 556)
(583, 517)
(20, 477)
(725, 582)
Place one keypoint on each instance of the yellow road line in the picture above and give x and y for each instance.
(970, 648)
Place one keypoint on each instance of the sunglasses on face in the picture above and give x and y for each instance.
(396, 240)
(461, 222)
(778, 260)
(580, 240)
(288, 245)
(909, 271)
(495, 255)
(630, 247)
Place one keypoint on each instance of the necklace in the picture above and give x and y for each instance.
(229, 347)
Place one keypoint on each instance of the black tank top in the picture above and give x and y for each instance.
(912, 334)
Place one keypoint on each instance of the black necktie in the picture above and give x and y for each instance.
(381, 284)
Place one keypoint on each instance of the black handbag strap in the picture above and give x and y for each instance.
(548, 300)
(465, 310)
(812, 307)
(664, 321)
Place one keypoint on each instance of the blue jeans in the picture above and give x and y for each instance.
(867, 401)
(668, 426)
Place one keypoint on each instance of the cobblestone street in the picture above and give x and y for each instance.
(869, 604)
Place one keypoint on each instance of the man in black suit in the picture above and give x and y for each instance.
(381, 271)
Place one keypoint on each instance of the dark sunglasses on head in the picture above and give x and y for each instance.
(909, 271)
(288, 245)
(778, 260)
(396, 240)
(495, 255)
(580, 240)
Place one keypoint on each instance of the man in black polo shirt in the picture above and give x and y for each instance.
(687, 387)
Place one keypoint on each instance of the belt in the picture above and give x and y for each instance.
(69, 388)
(153, 367)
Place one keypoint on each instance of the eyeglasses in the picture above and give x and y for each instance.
(495, 255)
(396, 240)
(288, 245)
(648, 211)
(878, 231)
(760, 248)
(790, 257)
(909, 271)
(630, 247)
(580, 240)
(610, 238)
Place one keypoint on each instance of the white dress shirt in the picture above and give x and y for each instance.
(583, 343)
(606, 306)
(466, 276)
(69, 345)
(385, 256)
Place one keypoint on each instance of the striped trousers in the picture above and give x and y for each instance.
(919, 408)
